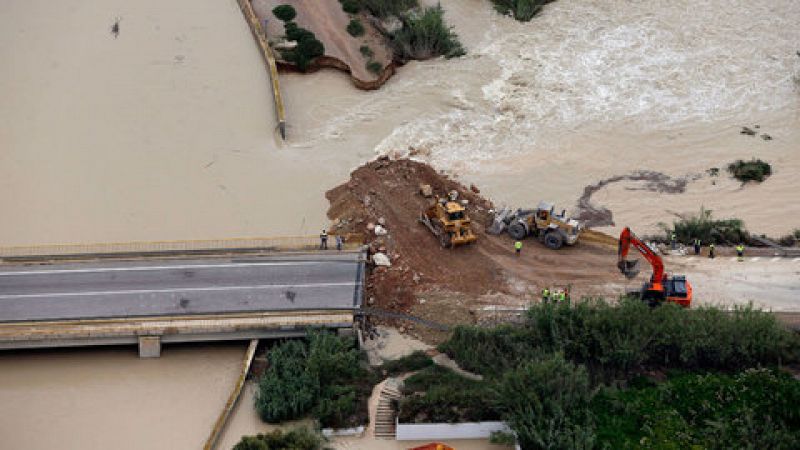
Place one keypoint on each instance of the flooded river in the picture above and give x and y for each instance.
(166, 131)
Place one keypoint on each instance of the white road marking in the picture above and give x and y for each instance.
(796, 260)
(756, 258)
(777, 258)
(164, 291)
(146, 268)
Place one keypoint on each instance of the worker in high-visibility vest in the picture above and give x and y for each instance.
(518, 247)
(711, 250)
(674, 240)
(697, 246)
(545, 295)
(740, 252)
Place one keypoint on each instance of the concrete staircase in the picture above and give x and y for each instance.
(386, 415)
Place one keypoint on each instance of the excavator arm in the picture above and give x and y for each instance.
(629, 267)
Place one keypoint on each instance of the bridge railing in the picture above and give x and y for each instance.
(280, 243)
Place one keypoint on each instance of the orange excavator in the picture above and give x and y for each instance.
(661, 287)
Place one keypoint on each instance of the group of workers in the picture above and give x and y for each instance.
(560, 295)
(698, 246)
(323, 241)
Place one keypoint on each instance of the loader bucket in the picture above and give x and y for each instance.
(629, 267)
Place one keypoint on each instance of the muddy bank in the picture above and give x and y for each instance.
(330, 62)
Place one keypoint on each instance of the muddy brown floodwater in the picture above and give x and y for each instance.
(166, 131)
(110, 398)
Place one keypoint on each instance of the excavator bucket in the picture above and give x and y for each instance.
(629, 267)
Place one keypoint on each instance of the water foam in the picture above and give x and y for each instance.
(655, 64)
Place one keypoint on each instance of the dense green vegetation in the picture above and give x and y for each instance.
(308, 46)
(296, 439)
(754, 409)
(425, 35)
(753, 170)
(583, 377)
(355, 28)
(616, 342)
(437, 394)
(522, 10)
(324, 377)
(709, 230)
(285, 13)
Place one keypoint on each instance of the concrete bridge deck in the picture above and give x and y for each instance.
(177, 300)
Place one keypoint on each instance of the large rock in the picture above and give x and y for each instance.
(380, 259)
(426, 190)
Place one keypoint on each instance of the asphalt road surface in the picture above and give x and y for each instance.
(179, 287)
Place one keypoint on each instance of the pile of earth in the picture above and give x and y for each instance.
(457, 285)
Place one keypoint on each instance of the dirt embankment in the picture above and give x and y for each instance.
(454, 285)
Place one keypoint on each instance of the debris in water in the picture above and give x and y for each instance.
(748, 131)
(115, 28)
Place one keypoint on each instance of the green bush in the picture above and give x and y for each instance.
(386, 8)
(295, 33)
(546, 403)
(753, 409)
(753, 170)
(522, 10)
(489, 351)
(409, 363)
(351, 6)
(287, 390)
(355, 28)
(374, 67)
(323, 377)
(619, 341)
(437, 394)
(296, 439)
(285, 13)
(366, 51)
(709, 230)
(308, 47)
(425, 35)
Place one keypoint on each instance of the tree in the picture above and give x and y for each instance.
(284, 12)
